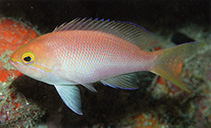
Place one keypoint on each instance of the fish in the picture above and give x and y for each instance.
(85, 51)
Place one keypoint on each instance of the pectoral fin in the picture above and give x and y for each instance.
(71, 97)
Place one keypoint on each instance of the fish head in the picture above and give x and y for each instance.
(33, 60)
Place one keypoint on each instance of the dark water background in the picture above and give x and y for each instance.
(152, 14)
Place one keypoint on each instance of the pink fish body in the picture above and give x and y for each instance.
(85, 51)
(88, 60)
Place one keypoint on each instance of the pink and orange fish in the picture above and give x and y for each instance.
(85, 51)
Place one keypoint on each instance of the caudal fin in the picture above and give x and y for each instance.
(169, 62)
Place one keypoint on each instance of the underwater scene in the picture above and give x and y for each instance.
(105, 64)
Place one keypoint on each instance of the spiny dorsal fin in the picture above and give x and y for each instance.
(125, 30)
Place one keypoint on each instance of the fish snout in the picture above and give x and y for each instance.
(11, 61)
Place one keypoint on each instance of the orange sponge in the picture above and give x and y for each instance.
(12, 35)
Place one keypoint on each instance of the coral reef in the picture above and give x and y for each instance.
(15, 109)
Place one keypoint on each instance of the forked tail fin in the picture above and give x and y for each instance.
(169, 62)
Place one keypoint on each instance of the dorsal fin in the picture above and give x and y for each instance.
(125, 30)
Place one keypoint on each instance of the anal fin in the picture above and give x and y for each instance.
(90, 87)
(127, 81)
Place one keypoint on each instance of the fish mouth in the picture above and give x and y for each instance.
(17, 65)
(13, 62)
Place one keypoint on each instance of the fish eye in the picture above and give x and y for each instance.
(28, 58)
